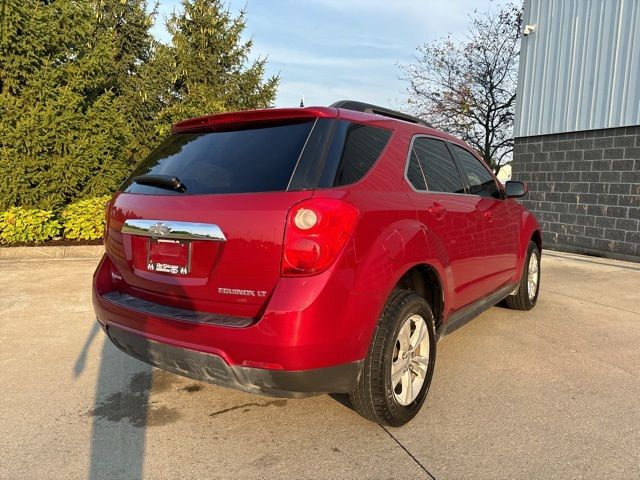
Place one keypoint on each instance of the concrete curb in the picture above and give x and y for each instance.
(51, 253)
(590, 259)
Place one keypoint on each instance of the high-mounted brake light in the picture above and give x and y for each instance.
(317, 231)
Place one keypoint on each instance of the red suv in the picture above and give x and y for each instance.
(292, 252)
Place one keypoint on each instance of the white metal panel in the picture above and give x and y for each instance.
(580, 69)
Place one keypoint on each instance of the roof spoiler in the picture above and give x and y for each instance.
(386, 112)
(211, 122)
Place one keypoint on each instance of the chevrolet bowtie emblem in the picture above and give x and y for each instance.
(160, 229)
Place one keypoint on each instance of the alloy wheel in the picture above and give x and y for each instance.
(410, 360)
(533, 276)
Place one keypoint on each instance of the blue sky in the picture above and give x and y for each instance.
(329, 50)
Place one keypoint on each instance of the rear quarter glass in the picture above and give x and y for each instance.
(253, 159)
(354, 150)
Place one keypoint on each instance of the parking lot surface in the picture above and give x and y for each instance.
(551, 393)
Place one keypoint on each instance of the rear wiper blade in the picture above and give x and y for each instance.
(161, 181)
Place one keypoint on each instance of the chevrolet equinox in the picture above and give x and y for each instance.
(292, 252)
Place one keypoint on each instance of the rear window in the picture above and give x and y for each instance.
(241, 161)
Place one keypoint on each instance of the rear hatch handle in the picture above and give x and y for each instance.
(174, 230)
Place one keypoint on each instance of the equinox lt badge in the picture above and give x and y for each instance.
(244, 293)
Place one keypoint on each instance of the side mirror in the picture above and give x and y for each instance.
(515, 189)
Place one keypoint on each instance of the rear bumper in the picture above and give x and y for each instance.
(213, 369)
(311, 337)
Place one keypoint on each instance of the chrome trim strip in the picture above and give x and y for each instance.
(174, 230)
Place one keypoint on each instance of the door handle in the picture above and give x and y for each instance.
(437, 210)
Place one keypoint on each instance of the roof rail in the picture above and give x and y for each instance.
(386, 112)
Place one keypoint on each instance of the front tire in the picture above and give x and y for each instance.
(398, 370)
(529, 287)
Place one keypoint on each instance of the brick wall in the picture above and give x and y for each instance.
(584, 189)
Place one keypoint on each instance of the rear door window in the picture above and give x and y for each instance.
(437, 166)
(480, 181)
(415, 174)
(260, 159)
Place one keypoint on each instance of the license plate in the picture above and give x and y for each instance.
(169, 256)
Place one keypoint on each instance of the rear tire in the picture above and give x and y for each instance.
(398, 370)
(527, 295)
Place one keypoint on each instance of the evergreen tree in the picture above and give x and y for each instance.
(62, 134)
(208, 64)
(85, 90)
(134, 78)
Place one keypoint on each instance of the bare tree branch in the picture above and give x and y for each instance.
(467, 87)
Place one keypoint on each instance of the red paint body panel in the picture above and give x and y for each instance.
(249, 259)
(322, 320)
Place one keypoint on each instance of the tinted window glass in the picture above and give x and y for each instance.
(311, 163)
(480, 180)
(239, 161)
(414, 173)
(363, 145)
(439, 169)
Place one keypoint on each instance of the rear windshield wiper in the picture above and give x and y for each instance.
(161, 181)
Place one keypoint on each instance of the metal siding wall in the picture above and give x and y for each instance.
(580, 70)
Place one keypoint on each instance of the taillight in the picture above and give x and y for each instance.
(316, 232)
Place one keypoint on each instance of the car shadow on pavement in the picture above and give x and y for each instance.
(122, 411)
(342, 399)
(119, 412)
(81, 361)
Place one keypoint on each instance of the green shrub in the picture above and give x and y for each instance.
(84, 220)
(18, 225)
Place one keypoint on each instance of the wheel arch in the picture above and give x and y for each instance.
(424, 280)
(530, 231)
(536, 237)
